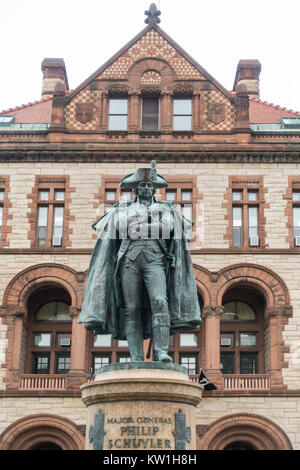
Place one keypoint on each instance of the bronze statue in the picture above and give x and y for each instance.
(140, 282)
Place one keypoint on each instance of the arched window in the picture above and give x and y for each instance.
(49, 332)
(242, 332)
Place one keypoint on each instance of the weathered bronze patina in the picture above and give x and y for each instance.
(140, 282)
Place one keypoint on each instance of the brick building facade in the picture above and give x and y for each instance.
(233, 165)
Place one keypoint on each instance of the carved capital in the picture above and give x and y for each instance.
(13, 311)
(134, 92)
(183, 89)
(212, 311)
(214, 277)
(118, 90)
(58, 100)
(81, 276)
(148, 90)
(279, 311)
(74, 311)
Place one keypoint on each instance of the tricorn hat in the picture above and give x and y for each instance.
(144, 174)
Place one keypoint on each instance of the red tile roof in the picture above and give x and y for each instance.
(38, 112)
(261, 112)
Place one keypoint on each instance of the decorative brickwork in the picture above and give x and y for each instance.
(251, 430)
(152, 44)
(6, 216)
(244, 183)
(26, 433)
(72, 119)
(50, 182)
(224, 117)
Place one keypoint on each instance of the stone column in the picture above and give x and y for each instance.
(78, 345)
(278, 317)
(212, 316)
(134, 114)
(58, 108)
(166, 111)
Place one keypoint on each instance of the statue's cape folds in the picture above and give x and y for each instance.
(103, 309)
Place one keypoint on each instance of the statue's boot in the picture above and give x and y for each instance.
(161, 333)
(135, 340)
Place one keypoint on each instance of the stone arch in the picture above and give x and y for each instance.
(143, 65)
(203, 279)
(36, 429)
(30, 279)
(268, 283)
(258, 432)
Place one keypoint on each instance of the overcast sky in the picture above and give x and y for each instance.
(85, 33)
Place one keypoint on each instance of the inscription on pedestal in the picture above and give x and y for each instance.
(142, 432)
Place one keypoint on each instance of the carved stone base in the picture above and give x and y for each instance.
(141, 406)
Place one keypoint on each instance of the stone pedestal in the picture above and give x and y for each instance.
(141, 406)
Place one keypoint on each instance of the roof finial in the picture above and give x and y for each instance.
(153, 13)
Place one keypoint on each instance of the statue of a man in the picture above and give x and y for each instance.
(140, 282)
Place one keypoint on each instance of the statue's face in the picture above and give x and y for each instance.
(145, 190)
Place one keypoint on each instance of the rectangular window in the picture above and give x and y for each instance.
(118, 111)
(248, 339)
(99, 361)
(41, 364)
(190, 363)
(1, 219)
(42, 339)
(150, 114)
(122, 343)
(227, 363)
(50, 215)
(188, 339)
(248, 363)
(42, 225)
(182, 114)
(102, 341)
(62, 363)
(124, 358)
(237, 223)
(296, 223)
(253, 225)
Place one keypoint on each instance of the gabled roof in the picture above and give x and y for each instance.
(135, 40)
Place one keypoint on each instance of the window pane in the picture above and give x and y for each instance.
(226, 340)
(181, 106)
(54, 311)
(237, 195)
(237, 216)
(150, 114)
(41, 364)
(237, 226)
(102, 341)
(126, 195)
(99, 361)
(237, 237)
(187, 211)
(42, 225)
(241, 311)
(296, 214)
(124, 359)
(58, 222)
(59, 195)
(117, 123)
(252, 195)
(190, 363)
(1, 194)
(118, 106)
(63, 340)
(110, 194)
(182, 123)
(227, 363)
(63, 364)
(122, 343)
(44, 195)
(248, 339)
(1, 218)
(42, 339)
(186, 194)
(248, 363)
(296, 195)
(171, 194)
(253, 213)
(188, 339)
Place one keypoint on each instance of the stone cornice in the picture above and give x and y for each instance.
(147, 154)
